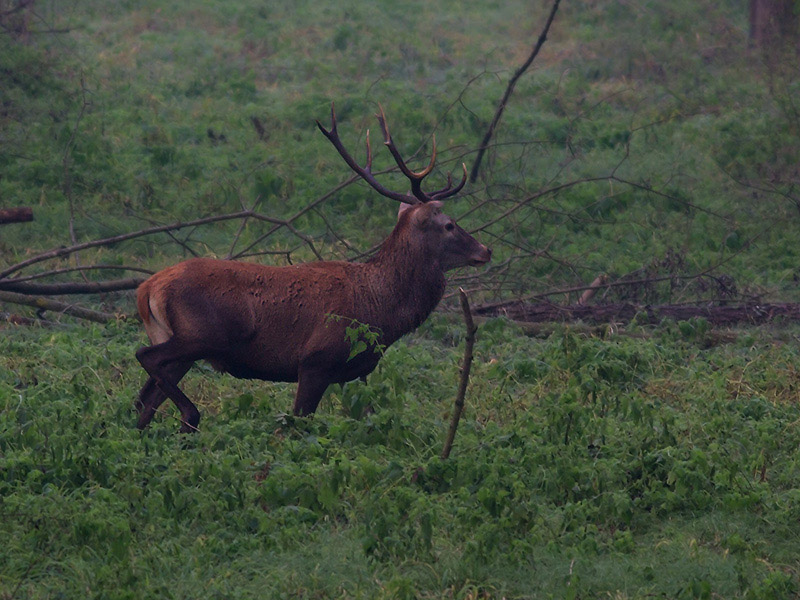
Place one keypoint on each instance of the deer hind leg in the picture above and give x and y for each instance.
(151, 396)
(166, 364)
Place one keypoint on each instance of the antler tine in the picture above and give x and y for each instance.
(447, 192)
(332, 131)
(415, 177)
(368, 166)
(364, 172)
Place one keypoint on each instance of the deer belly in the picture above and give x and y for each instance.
(359, 366)
(247, 370)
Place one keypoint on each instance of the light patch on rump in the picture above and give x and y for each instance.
(156, 327)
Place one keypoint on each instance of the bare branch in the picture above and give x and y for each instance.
(536, 196)
(66, 184)
(509, 90)
(326, 196)
(541, 312)
(55, 272)
(243, 224)
(65, 251)
(70, 287)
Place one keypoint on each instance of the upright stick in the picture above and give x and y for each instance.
(465, 368)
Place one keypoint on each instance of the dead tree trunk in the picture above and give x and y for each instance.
(773, 24)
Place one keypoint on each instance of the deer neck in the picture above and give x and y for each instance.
(405, 286)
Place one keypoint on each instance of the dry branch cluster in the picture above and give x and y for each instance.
(17, 288)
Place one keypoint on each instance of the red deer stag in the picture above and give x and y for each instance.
(274, 323)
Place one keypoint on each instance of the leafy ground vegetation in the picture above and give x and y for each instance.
(625, 467)
(653, 462)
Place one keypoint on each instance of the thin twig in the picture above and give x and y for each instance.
(297, 215)
(243, 224)
(64, 251)
(55, 272)
(538, 195)
(66, 172)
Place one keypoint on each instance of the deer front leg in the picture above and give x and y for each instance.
(311, 384)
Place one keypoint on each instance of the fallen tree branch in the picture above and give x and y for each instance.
(509, 90)
(14, 319)
(327, 195)
(22, 214)
(551, 190)
(458, 407)
(70, 287)
(600, 330)
(622, 313)
(56, 306)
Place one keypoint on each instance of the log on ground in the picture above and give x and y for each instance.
(542, 312)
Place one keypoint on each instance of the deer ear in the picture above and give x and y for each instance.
(404, 206)
(436, 206)
(426, 214)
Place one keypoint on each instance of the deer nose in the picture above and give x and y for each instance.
(483, 257)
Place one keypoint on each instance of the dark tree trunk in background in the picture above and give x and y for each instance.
(774, 24)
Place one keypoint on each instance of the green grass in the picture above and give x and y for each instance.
(584, 467)
(659, 464)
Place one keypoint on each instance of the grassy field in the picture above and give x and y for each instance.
(584, 468)
(636, 463)
(618, 467)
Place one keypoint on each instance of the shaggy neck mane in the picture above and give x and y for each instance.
(409, 279)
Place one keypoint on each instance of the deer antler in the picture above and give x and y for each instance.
(448, 190)
(366, 171)
(417, 195)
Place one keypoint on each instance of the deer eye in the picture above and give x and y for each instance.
(449, 227)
